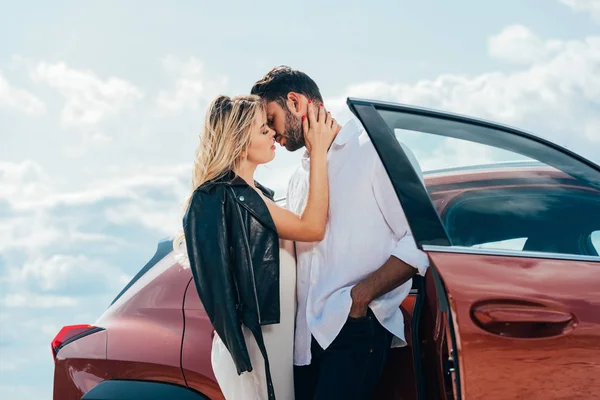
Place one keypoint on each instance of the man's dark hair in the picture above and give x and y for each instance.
(279, 81)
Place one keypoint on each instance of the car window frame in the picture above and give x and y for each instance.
(426, 226)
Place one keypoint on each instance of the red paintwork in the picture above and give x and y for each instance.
(143, 332)
(75, 366)
(197, 345)
(474, 176)
(145, 328)
(564, 364)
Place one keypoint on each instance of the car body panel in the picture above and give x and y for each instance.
(153, 304)
(533, 322)
(197, 345)
(75, 366)
(142, 336)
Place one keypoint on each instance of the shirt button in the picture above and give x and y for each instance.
(315, 251)
(241, 198)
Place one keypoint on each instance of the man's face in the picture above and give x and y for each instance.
(287, 125)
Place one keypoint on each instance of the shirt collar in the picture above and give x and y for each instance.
(350, 129)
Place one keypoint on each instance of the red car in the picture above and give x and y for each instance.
(510, 307)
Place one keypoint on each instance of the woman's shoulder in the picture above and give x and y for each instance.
(270, 193)
(206, 192)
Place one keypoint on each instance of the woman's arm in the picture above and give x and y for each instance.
(309, 226)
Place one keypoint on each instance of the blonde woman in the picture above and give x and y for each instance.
(231, 233)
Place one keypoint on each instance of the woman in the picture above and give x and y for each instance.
(231, 232)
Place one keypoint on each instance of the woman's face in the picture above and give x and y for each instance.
(262, 142)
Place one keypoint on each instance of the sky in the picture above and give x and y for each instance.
(101, 104)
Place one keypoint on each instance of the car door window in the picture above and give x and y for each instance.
(595, 239)
(508, 244)
(494, 198)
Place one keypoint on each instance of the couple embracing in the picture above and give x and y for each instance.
(328, 337)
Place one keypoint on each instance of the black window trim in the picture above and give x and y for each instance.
(411, 192)
(165, 246)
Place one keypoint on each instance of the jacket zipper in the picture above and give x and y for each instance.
(249, 256)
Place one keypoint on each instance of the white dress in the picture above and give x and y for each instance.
(279, 341)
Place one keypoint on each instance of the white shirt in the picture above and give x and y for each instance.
(366, 225)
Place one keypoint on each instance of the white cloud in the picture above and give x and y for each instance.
(90, 239)
(88, 98)
(66, 274)
(193, 89)
(590, 6)
(33, 300)
(37, 216)
(556, 97)
(123, 184)
(24, 392)
(23, 181)
(19, 99)
(519, 45)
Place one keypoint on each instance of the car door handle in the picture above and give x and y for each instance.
(521, 320)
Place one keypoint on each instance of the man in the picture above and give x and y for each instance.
(351, 284)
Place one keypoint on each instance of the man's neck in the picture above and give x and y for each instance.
(337, 131)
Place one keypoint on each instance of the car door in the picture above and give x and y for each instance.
(511, 301)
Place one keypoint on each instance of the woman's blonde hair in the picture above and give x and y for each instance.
(223, 141)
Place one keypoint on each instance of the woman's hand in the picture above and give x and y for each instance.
(319, 130)
(310, 226)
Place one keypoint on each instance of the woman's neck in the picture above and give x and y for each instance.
(246, 172)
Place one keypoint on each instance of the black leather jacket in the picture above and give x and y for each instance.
(233, 248)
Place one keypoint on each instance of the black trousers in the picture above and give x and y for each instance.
(350, 368)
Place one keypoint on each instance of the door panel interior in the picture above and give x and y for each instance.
(398, 378)
(434, 346)
(527, 327)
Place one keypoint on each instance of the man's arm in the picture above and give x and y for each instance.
(388, 277)
(406, 259)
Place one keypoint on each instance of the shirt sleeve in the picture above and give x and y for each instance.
(391, 209)
(297, 191)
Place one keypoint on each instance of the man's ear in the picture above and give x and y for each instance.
(296, 103)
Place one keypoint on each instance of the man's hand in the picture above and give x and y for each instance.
(388, 277)
(360, 305)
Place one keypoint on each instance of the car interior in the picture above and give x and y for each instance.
(548, 219)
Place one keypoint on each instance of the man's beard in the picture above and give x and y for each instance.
(294, 134)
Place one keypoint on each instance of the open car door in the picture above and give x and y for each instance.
(510, 306)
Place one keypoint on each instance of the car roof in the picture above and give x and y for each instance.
(489, 171)
(493, 171)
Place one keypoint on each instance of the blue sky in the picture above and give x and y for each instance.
(101, 103)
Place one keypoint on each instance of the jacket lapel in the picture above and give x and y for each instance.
(252, 202)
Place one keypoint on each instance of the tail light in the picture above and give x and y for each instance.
(70, 333)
